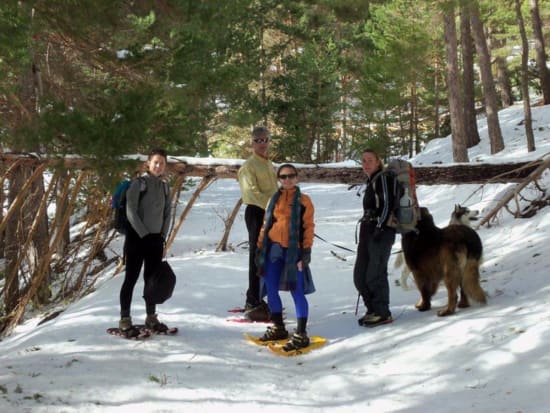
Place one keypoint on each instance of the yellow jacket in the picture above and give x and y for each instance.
(279, 231)
(258, 181)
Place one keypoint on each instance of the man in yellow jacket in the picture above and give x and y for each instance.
(258, 182)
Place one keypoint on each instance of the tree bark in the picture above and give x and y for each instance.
(12, 232)
(60, 208)
(425, 175)
(533, 176)
(437, 126)
(468, 79)
(207, 180)
(228, 222)
(460, 151)
(40, 240)
(495, 41)
(2, 200)
(414, 135)
(528, 122)
(503, 79)
(429, 175)
(15, 315)
(544, 73)
(491, 101)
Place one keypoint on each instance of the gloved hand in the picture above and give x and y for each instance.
(258, 258)
(377, 234)
(306, 256)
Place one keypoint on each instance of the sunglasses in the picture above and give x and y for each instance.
(260, 140)
(289, 176)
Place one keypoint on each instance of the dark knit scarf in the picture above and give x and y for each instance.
(288, 277)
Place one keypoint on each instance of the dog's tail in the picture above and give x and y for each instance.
(405, 272)
(399, 260)
(470, 281)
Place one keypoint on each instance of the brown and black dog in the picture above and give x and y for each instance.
(461, 215)
(452, 254)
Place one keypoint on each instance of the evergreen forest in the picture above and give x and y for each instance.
(102, 78)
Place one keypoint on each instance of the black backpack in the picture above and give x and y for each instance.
(160, 286)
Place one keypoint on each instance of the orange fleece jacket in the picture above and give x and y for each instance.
(279, 231)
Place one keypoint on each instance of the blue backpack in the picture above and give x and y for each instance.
(118, 204)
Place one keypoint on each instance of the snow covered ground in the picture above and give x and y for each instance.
(494, 358)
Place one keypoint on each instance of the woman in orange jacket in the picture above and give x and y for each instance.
(284, 254)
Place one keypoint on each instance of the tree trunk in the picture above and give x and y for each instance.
(437, 126)
(540, 54)
(61, 205)
(40, 240)
(503, 79)
(207, 180)
(460, 151)
(228, 222)
(12, 240)
(525, 80)
(495, 41)
(533, 176)
(2, 200)
(470, 122)
(341, 148)
(491, 101)
(15, 315)
(413, 129)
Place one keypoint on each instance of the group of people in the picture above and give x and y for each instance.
(280, 223)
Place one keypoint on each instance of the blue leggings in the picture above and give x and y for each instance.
(272, 275)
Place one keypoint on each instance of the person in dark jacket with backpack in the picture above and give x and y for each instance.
(370, 273)
(148, 212)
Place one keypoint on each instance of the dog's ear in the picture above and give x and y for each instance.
(424, 213)
(426, 218)
(457, 207)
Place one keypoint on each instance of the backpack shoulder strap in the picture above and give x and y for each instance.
(142, 184)
(378, 176)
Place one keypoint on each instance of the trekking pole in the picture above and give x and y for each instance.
(335, 245)
(357, 304)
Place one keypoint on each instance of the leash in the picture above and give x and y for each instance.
(335, 245)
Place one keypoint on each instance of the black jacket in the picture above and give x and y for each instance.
(379, 199)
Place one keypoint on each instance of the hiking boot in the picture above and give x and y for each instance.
(258, 313)
(127, 329)
(251, 303)
(152, 323)
(298, 341)
(274, 333)
(376, 320)
(368, 315)
(125, 323)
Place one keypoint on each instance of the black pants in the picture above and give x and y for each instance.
(139, 251)
(370, 273)
(254, 218)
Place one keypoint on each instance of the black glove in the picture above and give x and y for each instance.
(377, 234)
(258, 258)
(306, 257)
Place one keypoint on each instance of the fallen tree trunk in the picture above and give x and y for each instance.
(465, 173)
(425, 175)
(533, 177)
